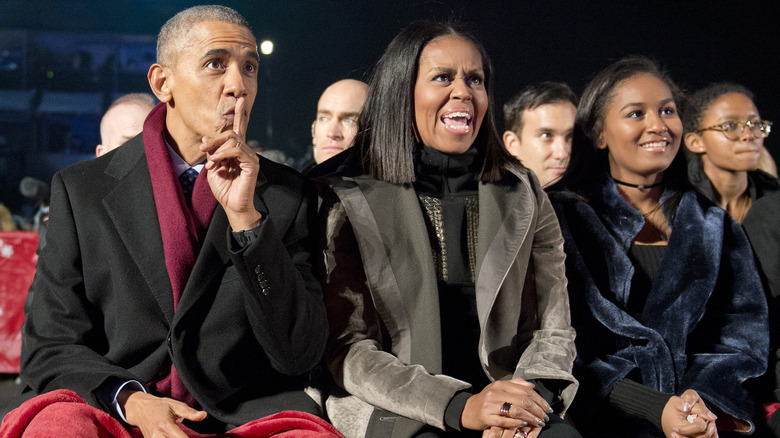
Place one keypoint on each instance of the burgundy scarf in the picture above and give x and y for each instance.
(183, 226)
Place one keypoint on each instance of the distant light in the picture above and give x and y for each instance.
(49, 74)
(266, 47)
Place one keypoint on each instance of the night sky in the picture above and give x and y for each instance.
(317, 43)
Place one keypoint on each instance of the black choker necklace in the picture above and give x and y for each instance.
(639, 187)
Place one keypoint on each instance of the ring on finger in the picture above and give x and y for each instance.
(504, 411)
(520, 434)
(238, 144)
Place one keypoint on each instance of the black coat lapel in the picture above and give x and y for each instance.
(131, 207)
(210, 264)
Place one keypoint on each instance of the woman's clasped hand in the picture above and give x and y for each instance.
(506, 406)
(688, 416)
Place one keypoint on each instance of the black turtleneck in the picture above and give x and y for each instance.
(442, 173)
(450, 179)
(446, 186)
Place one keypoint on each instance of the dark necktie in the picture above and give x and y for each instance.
(187, 180)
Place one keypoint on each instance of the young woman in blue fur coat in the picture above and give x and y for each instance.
(724, 157)
(669, 310)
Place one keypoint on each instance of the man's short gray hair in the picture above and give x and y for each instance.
(173, 35)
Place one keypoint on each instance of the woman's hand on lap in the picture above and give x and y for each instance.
(528, 408)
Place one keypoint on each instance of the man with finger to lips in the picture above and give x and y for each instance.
(175, 285)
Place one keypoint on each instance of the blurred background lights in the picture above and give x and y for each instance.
(266, 47)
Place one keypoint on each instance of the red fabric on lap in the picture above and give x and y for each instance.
(69, 416)
(287, 424)
(62, 412)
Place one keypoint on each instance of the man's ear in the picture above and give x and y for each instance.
(694, 143)
(159, 80)
(99, 150)
(512, 142)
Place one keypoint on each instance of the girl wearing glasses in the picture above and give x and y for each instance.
(724, 141)
(665, 298)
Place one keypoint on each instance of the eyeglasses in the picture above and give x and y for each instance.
(734, 130)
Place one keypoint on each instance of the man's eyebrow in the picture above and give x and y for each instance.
(216, 52)
(253, 54)
(225, 52)
(554, 130)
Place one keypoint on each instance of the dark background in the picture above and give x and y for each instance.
(103, 48)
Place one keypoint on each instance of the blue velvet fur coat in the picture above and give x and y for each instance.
(704, 323)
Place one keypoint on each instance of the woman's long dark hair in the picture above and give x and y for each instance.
(386, 139)
(589, 165)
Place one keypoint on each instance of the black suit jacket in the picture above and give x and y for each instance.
(250, 323)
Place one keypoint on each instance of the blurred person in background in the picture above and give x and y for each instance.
(6, 219)
(335, 125)
(539, 123)
(123, 120)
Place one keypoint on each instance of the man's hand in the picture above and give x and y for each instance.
(232, 172)
(156, 417)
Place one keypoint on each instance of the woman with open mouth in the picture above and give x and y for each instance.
(442, 265)
(666, 300)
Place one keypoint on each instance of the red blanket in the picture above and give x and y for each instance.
(64, 414)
